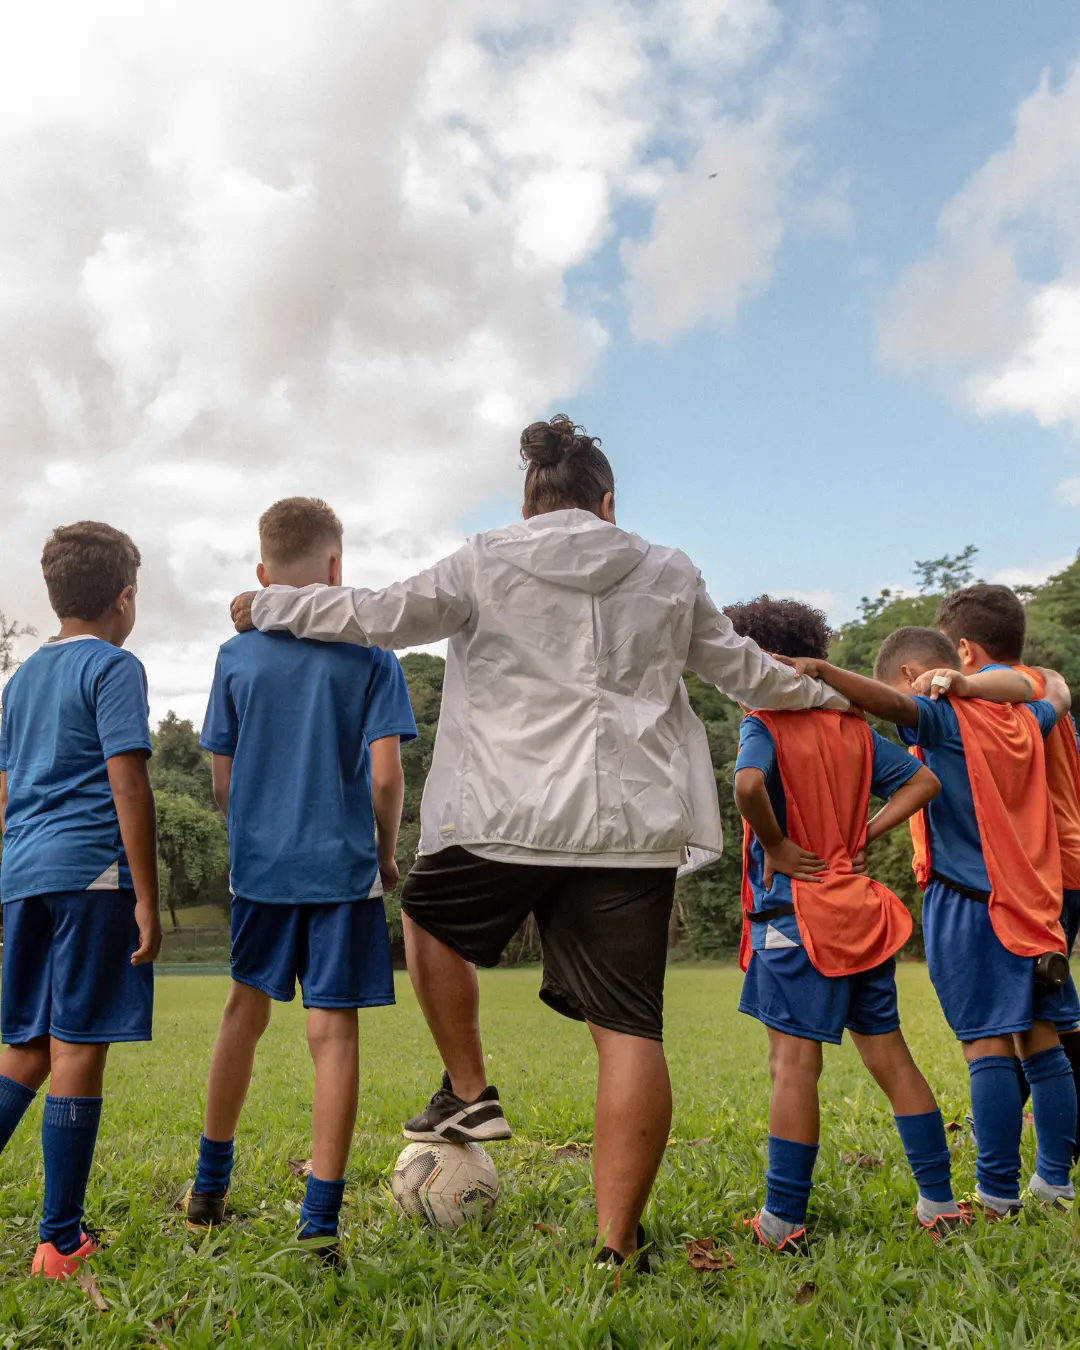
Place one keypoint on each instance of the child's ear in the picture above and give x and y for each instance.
(125, 600)
(262, 574)
(607, 508)
(334, 570)
(908, 676)
(967, 656)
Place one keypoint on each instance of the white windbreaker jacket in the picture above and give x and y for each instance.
(565, 730)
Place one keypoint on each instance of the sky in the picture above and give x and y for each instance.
(810, 270)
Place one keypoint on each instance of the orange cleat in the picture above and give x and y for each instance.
(945, 1224)
(795, 1244)
(53, 1265)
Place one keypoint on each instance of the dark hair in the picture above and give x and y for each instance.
(925, 645)
(992, 616)
(785, 626)
(292, 529)
(564, 467)
(86, 566)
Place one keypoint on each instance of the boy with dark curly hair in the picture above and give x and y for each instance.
(820, 936)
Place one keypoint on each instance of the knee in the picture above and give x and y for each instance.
(799, 1062)
(331, 1030)
(248, 1010)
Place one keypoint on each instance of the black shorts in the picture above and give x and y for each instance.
(603, 931)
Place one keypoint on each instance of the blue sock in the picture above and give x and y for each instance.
(1053, 1104)
(927, 1152)
(69, 1130)
(999, 1119)
(789, 1178)
(214, 1171)
(321, 1207)
(15, 1097)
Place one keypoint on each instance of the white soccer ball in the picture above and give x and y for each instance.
(446, 1184)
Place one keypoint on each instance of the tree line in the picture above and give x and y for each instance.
(193, 848)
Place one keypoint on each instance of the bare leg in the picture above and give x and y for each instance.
(246, 1017)
(334, 1044)
(28, 1064)
(77, 1070)
(896, 1073)
(449, 997)
(1042, 1036)
(633, 1117)
(795, 1065)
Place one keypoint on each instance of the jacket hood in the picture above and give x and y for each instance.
(569, 548)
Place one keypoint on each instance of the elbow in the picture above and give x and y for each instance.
(929, 784)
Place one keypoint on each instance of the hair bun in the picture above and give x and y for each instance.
(545, 444)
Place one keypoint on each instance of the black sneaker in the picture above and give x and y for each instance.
(447, 1117)
(202, 1210)
(608, 1256)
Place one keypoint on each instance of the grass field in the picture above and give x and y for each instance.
(874, 1281)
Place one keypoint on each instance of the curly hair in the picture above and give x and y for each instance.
(787, 627)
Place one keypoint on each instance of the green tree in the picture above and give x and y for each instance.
(193, 847)
(179, 763)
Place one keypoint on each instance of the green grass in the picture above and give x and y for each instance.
(878, 1283)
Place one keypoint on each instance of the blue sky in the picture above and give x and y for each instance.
(810, 269)
(781, 451)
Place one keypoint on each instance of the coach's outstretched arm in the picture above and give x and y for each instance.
(739, 668)
(432, 605)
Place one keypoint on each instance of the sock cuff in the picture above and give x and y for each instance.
(320, 1191)
(1050, 1063)
(793, 1148)
(992, 1062)
(919, 1119)
(15, 1093)
(73, 1113)
(217, 1148)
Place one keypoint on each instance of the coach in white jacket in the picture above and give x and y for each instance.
(570, 779)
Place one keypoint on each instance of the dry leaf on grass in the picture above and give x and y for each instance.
(300, 1167)
(549, 1230)
(571, 1151)
(863, 1160)
(697, 1143)
(954, 1126)
(703, 1254)
(1029, 1121)
(805, 1292)
(89, 1285)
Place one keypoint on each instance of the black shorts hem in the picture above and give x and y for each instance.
(561, 1002)
(483, 959)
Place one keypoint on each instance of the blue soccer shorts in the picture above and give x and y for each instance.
(784, 990)
(983, 988)
(340, 953)
(67, 970)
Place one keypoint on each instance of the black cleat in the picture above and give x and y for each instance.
(447, 1118)
(204, 1211)
(608, 1256)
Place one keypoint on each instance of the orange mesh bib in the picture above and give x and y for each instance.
(848, 923)
(1006, 765)
(1063, 780)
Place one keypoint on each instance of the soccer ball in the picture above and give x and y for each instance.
(446, 1184)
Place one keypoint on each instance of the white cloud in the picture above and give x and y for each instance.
(825, 600)
(320, 247)
(996, 303)
(1033, 575)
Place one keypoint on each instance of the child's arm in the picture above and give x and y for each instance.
(133, 796)
(1057, 692)
(996, 686)
(221, 773)
(870, 695)
(387, 800)
(782, 854)
(920, 789)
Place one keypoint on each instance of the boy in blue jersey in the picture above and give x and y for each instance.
(990, 995)
(79, 872)
(305, 738)
(801, 1007)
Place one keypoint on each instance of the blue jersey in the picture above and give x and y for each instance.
(952, 830)
(297, 717)
(73, 705)
(892, 768)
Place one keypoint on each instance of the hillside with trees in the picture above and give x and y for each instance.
(193, 847)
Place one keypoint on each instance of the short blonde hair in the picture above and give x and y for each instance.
(296, 527)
